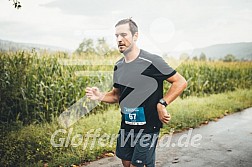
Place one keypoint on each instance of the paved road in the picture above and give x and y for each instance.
(226, 143)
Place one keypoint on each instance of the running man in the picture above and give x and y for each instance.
(138, 88)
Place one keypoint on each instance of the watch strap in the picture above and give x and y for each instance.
(163, 102)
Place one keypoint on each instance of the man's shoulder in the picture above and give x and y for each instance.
(120, 61)
(148, 56)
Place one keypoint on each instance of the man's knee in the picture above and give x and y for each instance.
(126, 163)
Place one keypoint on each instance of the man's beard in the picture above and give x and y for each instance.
(127, 50)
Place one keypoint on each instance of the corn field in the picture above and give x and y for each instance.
(206, 78)
(37, 88)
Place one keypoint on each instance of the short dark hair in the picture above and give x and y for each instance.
(132, 25)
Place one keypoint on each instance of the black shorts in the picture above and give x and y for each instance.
(139, 148)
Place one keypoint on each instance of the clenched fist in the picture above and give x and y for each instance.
(163, 115)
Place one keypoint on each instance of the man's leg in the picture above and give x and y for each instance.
(141, 154)
(126, 163)
(124, 150)
(144, 151)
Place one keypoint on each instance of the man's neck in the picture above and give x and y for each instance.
(132, 55)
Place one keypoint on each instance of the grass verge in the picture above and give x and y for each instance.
(194, 111)
(31, 145)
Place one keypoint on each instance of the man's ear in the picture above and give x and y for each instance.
(135, 37)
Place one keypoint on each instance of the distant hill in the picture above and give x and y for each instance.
(15, 46)
(239, 50)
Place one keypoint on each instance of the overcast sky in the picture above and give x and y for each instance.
(164, 25)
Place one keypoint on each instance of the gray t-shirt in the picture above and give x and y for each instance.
(140, 84)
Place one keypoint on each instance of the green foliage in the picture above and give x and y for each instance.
(38, 88)
(26, 146)
(195, 58)
(205, 78)
(30, 145)
(90, 48)
(229, 58)
(202, 57)
(86, 46)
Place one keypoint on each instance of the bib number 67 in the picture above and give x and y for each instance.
(132, 116)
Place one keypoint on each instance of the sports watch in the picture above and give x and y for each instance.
(163, 102)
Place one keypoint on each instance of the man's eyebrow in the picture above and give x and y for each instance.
(123, 33)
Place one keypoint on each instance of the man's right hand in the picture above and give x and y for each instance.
(94, 93)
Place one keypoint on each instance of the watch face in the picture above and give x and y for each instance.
(163, 102)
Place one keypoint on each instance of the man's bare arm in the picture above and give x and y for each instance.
(109, 97)
(178, 85)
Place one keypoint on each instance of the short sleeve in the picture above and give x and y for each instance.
(162, 69)
(115, 80)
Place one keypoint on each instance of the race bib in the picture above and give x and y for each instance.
(134, 116)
